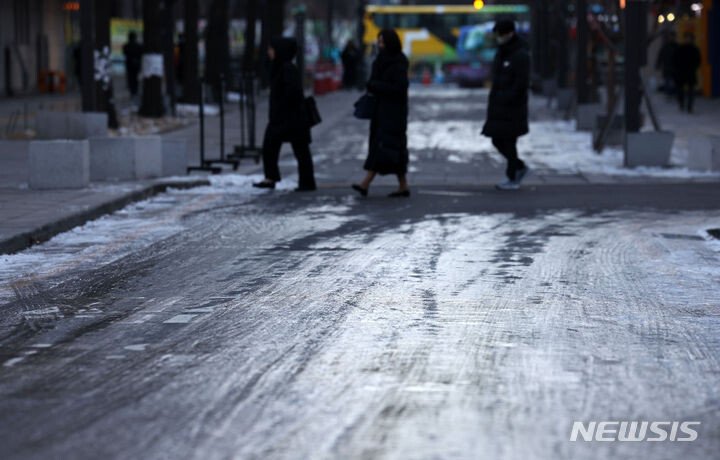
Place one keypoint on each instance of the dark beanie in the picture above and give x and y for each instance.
(504, 26)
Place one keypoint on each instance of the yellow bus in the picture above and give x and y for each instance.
(454, 38)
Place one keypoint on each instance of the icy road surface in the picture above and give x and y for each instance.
(463, 323)
(323, 326)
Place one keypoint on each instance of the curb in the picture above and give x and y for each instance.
(44, 233)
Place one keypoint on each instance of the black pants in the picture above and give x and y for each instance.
(508, 148)
(685, 92)
(271, 158)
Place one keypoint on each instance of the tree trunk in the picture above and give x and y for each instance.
(218, 49)
(189, 54)
(152, 67)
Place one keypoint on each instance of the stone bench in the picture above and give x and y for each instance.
(126, 158)
(704, 153)
(70, 125)
(59, 164)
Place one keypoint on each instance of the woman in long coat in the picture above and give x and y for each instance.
(287, 119)
(388, 152)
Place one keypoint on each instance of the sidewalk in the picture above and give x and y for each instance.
(446, 150)
(29, 216)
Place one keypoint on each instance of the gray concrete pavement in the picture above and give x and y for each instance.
(223, 322)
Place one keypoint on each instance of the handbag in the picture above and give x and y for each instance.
(311, 112)
(365, 107)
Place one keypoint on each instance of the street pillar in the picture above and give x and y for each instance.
(560, 31)
(362, 4)
(635, 57)
(87, 52)
(191, 91)
(250, 32)
(153, 69)
(300, 15)
(582, 88)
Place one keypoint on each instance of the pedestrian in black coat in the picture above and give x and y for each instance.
(507, 112)
(287, 120)
(388, 152)
(665, 63)
(350, 58)
(133, 62)
(686, 60)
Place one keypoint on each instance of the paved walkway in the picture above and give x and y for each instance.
(437, 146)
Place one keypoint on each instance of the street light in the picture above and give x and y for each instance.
(478, 4)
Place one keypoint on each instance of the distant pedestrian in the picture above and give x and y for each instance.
(133, 60)
(388, 152)
(687, 61)
(507, 112)
(665, 63)
(350, 59)
(77, 63)
(288, 120)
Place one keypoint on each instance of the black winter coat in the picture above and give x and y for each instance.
(507, 113)
(388, 127)
(287, 119)
(687, 60)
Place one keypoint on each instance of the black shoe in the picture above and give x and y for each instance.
(360, 190)
(264, 184)
(306, 189)
(400, 194)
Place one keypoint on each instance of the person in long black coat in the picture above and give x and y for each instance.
(686, 60)
(388, 152)
(287, 118)
(507, 112)
(133, 62)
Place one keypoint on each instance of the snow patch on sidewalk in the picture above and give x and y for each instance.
(551, 146)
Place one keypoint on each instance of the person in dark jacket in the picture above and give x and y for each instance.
(350, 58)
(687, 61)
(388, 152)
(287, 119)
(507, 112)
(133, 59)
(665, 63)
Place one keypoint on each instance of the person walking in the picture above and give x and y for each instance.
(350, 56)
(507, 112)
(288, 121)
(687, 61)
(388, 152)
(665, 63)
(133, 60)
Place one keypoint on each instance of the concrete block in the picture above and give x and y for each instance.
(174, 157)
(59, 164)
(704, 153)
(125, 158)
(565, 98)
(586, 116)
(648, 148)
(148, 157)
(51, 125)
(112, 158)
(70, 125)
(84, 125)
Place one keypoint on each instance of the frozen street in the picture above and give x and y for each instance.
(463, 323)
